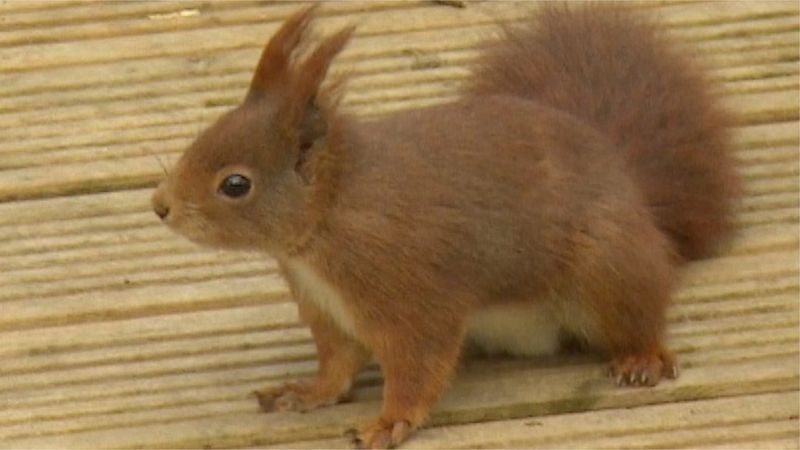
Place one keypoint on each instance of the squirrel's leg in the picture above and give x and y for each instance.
(638, 354)
(628, 300)
(417, 367)
(340, 360)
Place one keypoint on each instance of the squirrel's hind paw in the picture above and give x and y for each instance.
(643, 369)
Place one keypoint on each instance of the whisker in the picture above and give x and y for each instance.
(161, 163)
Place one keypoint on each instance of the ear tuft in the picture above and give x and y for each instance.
(305, 112)
(308, 76)
(273, 66)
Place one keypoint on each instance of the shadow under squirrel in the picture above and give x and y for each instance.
(584, 163)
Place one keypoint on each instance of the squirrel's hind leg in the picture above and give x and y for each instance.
(620, 300)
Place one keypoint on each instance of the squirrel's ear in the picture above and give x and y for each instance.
(273, 67)
(302, 112)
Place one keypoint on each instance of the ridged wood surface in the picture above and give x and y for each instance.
(116, 333)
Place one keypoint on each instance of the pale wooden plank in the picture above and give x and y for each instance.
(689, 438)
(129, 18)
(113, 113)
(136, 172)
(591, 430)
(234, 67)
(135, 265)
(515, 394)
(176, 352)
(183, 71)
(751, 138)
(786, 303)
(711, 279)
(97, 402)
(782, 168)
(130, 280)
(779, 282)
(65, 370)
(709, 13)
(151, 390)
(10, 7)
(59, 54)
(144, 301)
(185, 357)
(40, 14)
(131, 74)
(783, 215)
(788, 443)
(754, 203)
(187, 42)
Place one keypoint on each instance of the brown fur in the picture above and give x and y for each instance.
(618, 73)
(393, 233)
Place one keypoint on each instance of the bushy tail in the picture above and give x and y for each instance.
(606, 66)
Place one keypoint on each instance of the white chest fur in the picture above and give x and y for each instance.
(316, 289)
(515, 329)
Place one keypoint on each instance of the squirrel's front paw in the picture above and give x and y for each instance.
(380, 433)
(300, 397)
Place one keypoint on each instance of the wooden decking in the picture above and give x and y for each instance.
(116, 333)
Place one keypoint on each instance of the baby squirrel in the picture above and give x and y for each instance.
(585, 161)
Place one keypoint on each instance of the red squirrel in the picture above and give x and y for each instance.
(583, 164)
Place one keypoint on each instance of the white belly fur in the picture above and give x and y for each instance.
(515, 329)
(318, 290)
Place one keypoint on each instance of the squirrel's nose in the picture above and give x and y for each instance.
(159, 205)
(162, 211)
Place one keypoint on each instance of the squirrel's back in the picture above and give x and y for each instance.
(607, 67)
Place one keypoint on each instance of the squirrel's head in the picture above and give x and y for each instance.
(257, 178)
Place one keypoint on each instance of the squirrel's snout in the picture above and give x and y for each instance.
(159, 204)
(162, 211)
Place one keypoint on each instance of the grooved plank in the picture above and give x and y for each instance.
(752, 140)
(658, 426)
(53, 405)
(78, 24)
(148, 300)
(515, 394)
(238, 350)
(145, 171)
(787, 443)
(406, 61)
(690, 437)
(166, 115)
(64, 12)
(784, 215)
(35, 275)
(705, 311)
(188, 42)
(721, 278)
(76, 417)
(65, 368)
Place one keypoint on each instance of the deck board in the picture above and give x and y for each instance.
(117, 334)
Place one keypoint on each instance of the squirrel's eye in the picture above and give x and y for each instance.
(235, 186)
